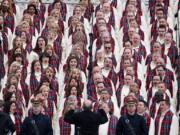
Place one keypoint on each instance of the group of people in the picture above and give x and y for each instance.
(120, 55)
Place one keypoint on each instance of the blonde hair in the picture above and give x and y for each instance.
(79, 36)
(56, 10)
(15, 63)
(43, 87)
(23, 23)
(53, 51)
(29, 17)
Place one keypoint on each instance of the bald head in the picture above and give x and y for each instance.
(87, 105)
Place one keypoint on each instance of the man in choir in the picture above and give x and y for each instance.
(166, 122)
(169, 48)
(142, 109)
(109, 128)
(167, 77)
(108, 70)
(110, 15)
(159, 35)
(109, 52)
(153, 88)
(123, 90)
(154, 106)
(105, 97)
(92, 86)
(137, 46)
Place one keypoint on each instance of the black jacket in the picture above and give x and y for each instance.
(6, 124)
(137, 123)
(42, 123)
(87, 121)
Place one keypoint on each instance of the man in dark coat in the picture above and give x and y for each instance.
(6, 124)
(132, 123)
(87, 121)
(37, 123)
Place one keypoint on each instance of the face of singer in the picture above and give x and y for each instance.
(141, 107)
(13, 108)
(99, 14)
(73, 63)
(74, 91)
(104, 96)
(128, 80)
(77, 11)
(127, 53)
(163, 106)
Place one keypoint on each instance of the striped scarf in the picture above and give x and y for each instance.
(65, 128)
(49, 109)
(112, 125)
(147, 119)
(112, 19)
(18, 123)
(165, 125)
(113, 76)
(34, 83)
(9, 22)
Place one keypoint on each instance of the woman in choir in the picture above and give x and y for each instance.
(74, 20)
(79, 35)
(27, 17)
(45, 61)
(12, 86)
(58, 19)
(35, 16)
(73, 89)
(61, 6)
(54, 59)
(72, 63)
(81, 52)
(10, 109)
(56, 39)
(6, 36)
(88, 8)
(17, 48)
(50, 73)
(7, 11)
(48, 105)
(79, 13)
(22, 85)
(16, 97)
(35, 76)
(39, 47)
(41, 7)
(21, 59)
